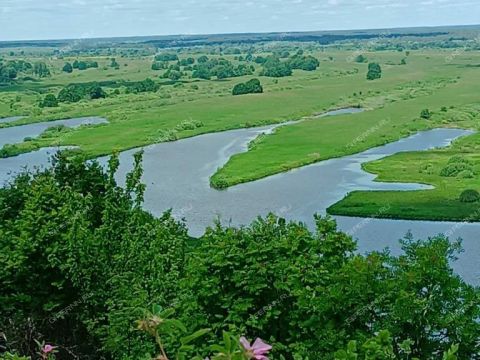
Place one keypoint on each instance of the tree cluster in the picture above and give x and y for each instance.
(307, 63)
(274, 67)
(166, 57)
(9, 70)
(220, 68)
(75, 92)
(84, 65)
(147, 85)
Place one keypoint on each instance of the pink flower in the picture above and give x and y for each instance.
(47, 348)
(256, 351)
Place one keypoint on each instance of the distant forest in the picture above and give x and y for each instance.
(323, 38)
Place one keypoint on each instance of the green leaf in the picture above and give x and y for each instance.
(195, 335)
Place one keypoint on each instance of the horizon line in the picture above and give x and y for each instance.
(241, 33)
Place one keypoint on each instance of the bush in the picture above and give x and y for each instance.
(76, 92)
(466, 174)
(458, 166)
(425, 114)
(80, 259)
(452, 170)
(67, 68)
(147, 85)
(250, 87)
(458, 159)
(218, 182)
(189, 125)
(361, 59)
(273, 67)
(374, 71)
(469, 196)
(49, 101)
(166, 57)
(307, 63)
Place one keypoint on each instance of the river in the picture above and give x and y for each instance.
(177, 176)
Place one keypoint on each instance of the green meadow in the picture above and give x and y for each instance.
(445, 82)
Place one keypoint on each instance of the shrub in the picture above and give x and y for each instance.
(374, 71)
(273, 67)
(67, 68)
(189, 125)
(166, 57)
(452, 170)
(252, 86)
(147, 85)
(466, 174)
(218, 182)
(49, 101)
(307, 63)
(458, 159)
(469, 196)
(425, 114)
(76, 92)
(361, 59)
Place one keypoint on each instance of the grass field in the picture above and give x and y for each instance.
(394, 113)
(441, 203)
(445, 82)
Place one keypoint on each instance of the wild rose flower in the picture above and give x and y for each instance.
(47, 349)
(256, 351)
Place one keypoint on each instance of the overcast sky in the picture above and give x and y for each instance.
(57, 19)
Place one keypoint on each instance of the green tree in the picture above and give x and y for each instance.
(274, 67)
(114, 64)
(374, 71)
(250, 87)
(49, 101)
(202, 72)
(67, 68)
(40, 69)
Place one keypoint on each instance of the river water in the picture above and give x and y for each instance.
(177, 177)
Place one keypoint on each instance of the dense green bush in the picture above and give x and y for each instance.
(9, 70)
(252, 86)
(76, 92)
(374, 71)
(221, 68)
(458, 166)
(292, 287)
(166, 57)
(274, 67)
(307, 63)
(84, 65)
(81, 260)
(147, 85)
(79, 239)
(470, 196)
(452, 170)
(425, 114)
(68, 68)
(49, 101)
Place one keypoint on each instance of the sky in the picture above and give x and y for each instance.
(67, 19)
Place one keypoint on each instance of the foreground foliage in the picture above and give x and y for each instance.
(82, 260)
